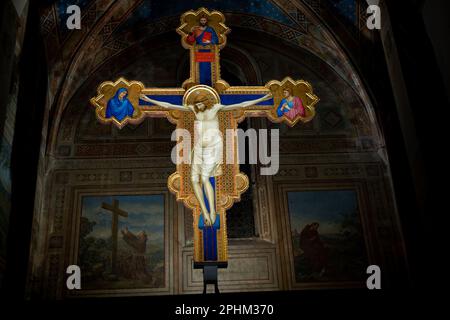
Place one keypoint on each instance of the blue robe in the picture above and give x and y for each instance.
(117, 108)
(209, 233)
(281, 112)
(214, 38)
(205, 67)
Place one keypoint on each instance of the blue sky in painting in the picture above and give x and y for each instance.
(152, 10)
(324, 207)
(145, 212)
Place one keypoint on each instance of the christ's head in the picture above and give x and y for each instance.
(203, 21)
(201, 103)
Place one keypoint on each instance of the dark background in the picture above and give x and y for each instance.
(421, 32)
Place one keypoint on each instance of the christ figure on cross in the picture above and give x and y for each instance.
(208, 145)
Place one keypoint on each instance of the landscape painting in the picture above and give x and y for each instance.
(327, 238)
(121, 242)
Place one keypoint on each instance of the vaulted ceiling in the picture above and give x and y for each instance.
(327, 29)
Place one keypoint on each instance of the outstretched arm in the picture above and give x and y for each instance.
(164, 104)
(246, 104)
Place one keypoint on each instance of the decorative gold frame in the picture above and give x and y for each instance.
(216, 20)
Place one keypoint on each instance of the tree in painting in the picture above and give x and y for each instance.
(122, 242)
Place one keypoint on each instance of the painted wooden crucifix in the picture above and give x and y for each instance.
(115, 212)
(205, 107)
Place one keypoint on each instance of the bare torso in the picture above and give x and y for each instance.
(207, 126)
(208, 145)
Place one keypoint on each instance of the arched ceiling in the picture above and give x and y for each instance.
(341, 116)
(110, 27)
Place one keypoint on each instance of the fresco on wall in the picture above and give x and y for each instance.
(122, 242)
(327, 240)
(150, 10)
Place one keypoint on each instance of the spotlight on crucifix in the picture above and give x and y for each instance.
(206, 107)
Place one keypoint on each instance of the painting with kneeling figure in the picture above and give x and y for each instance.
(121, 242)
(327, 239)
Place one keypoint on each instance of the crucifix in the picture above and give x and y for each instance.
(205, 107)
(116, 212)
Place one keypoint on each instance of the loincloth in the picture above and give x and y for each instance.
(207, 160)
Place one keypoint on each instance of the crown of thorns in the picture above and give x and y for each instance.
(201, 97)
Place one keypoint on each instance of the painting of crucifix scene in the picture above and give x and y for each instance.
(327, 239)
(121, 242)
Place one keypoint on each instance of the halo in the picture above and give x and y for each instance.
(192, 93)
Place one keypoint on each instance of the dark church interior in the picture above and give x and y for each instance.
(366, 172)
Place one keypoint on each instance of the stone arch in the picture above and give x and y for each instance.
(103, 38)
(247, 63)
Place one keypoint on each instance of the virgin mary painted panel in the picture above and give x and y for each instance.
(119, 106)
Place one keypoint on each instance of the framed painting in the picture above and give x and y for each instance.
(122, 243)
(328, 244)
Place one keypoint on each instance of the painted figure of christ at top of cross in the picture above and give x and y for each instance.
(202, 34)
